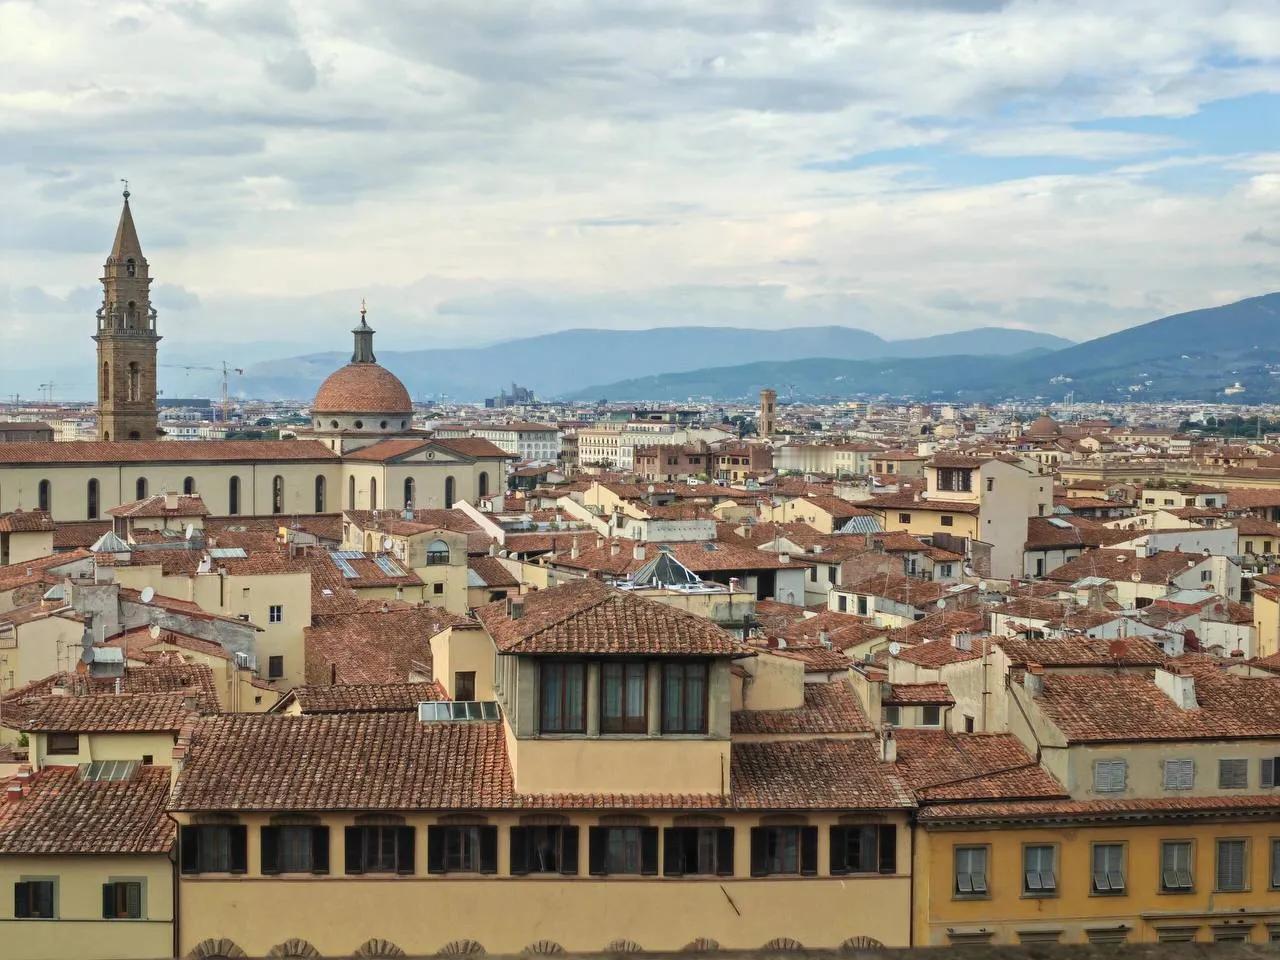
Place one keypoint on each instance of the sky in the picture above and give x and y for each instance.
(481, 171)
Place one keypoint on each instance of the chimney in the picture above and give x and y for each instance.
(615, 548)
(888, 745)
(573, 549)
(1142, 549)
(13, 792)
(170, 501)
(1033, 679)
(1179, 685)
(784, 557)
(599, 541)
(824, 638)
(638, 552)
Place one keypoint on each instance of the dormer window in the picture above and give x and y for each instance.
(955, 480)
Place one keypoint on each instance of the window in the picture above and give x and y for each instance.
(188, 485)
(44, 496)
(1275, 864)
(140, 489)
(1179, 774)
(991, 484)
(62, 744)
(275, 667)
(842, 603)
(35, 899)
(122, 900)
(684, 698)
(482, 483)
(544, 849)
(1038, 876)
(437, 553)
(784, 851)
(408, 493)
(871, 848)
(1206, 576)
(946, 520)
(319, 493)
(464, 685)
(448, 492)
(277, 494)
(1108, 868)
(462, 849)
(1230, 869)
(1267, 771)
(130, 268)
(623, 698)
(275, 613)
(135, 376)
(955, 480)
(213, 849)
(863, 606)
(930, 716)
(813, 574)
(1109, 775)
(968, 724)
(1233, 774)
(351, 493)
(295, 849)
(379, 849)
(904, 518)
(701, 851)
(437, 589)
(92, 506)
(562, 701)
(623, 851)
(1175, 866)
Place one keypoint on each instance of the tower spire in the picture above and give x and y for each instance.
(363, 352)
(126, 243)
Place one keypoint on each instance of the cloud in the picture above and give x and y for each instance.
(293, 71)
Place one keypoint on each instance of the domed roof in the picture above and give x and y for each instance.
(1044, 426)
(362, 388)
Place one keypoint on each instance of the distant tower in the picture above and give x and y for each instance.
(768, 413)
(126, 340)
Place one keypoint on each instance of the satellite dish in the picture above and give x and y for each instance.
(155, 631)
(941, 604)
(387, 543)
(148, 594)
(895, 648)
(1136, 577)
(191, 530)
(982, 585)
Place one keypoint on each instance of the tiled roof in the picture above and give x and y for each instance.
(836, 506)
(942, 625)
(1077, 651)
(905, 590)
(81, 533)
(39, 570)
(1141, 809)
(816, 657)
(164, 451)
(156, 506)
(586, 616)
(26, 521)
(908, 501)
(1042, 533)
(1123, 564)
(492, 572)
(828, 708)
(366, 697)
(815, 773)
(704, 556)
(475, 447)
(914, 694)
(937, 653)
(362, 388)
(63, 814)
(108, 713)
(374, 645)
(945, 767)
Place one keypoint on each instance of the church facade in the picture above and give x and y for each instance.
(360, 450)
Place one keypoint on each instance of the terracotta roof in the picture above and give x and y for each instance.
(1043, 533)
(373, 645)
(703, 556)
(492, 572)
(64, 814)
(836, 506)
(1122, 564)
(164, 451)
(915, 694)
(1077, 651)
(908, 501)
(587, 617)
(81, 533)
(943, 624)
(1140, 809)
(828, 708)
(26, 521)
(366, 697)
(156, 506)
(138, 641)
(362, 388)
(937, 653)
(424, 521)
(815, 773)
(108, 713)
(945, 767)
(475, 447)
(905, 590)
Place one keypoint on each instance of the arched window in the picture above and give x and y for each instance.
(437, 553)
(333, 424)
(131, 315)
(448, 492)
(106, 381)
(135, 381)
(134, 435)
(319, 493)
(383, 425)
(408, 493)
(45, 495)
(351, 493)
(482, 482)
(359, 424)
(130, 268)
(373, 494)
(233, 496)
(277, 494)
(188, 485)
(140, 489)
(92, 500)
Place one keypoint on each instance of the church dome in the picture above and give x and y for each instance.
(1044, 426)
(362, 388)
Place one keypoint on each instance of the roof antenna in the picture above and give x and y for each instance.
(126, 188)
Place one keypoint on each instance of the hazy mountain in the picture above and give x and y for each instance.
(1191, 356)
(556, 363)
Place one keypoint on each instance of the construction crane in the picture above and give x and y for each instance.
(226, 370)
(47, 390)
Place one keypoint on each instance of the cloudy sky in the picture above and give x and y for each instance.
(483, 169)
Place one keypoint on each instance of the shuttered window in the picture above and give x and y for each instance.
(462, 849)
(296, 849)
(623, 851)
(544, 849)
(1108, 868)
(214, 849)
(1038, 875)
(697, 851)
(971, 871)
(1233, 774)
(1268, 768)
(122, 900)
(1275, 864)
(379, 849)
(1175, 866)
(783, 851)
(35, 900)
(1230, 865)
(1109, 775)
(1179, 774)
(872, 848)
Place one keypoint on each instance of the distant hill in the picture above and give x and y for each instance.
(556, 363)
(1188, 356)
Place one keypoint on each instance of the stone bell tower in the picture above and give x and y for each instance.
(127, 341)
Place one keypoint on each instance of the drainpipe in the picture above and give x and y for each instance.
(173, 867)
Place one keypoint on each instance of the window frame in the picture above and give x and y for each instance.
(522, 850)
(355, 840)
(598, 847)
(1180, 761)
(719, 842)
(564, 669)
(114, 883)
(191, 841)
(884, 849)
(1111, 889)
(1242, 764)
(683, 726)
(275, 613)
(1110, 764)
(62, 751)
(625, 722)
(957, 892)
(1190, 846)
(1218, 844)
(1045, 891)
(765, 863)
(275, 661)
(27, 881)
(442, 846)
(464, 682)
(1273, 875)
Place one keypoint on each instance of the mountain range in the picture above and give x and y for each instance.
(556, 364)
(1198, 355)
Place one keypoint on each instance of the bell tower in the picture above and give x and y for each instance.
(126, 340)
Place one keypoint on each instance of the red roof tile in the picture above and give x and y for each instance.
(828, 708)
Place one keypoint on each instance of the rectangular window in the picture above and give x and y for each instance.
(122, 900)
(904, 518)
(700, 851)
(946, 520)
(295, 849)
(1039, 878)
(437, 589)
(1268, 768)
(1108, 868)
(623, 851)
(893, 716)
(624, 698)
(869, 848)
(544, 849)
(1233, 774)
(214, 849)
(562, 700)
(842, 603)
(862, 606)
(35, 899)
(1109, 775)
(61, 744)
(464, 685)
(684, 698)
(275, 667)
(784, 851)
(1230, 869)
(462, 849)
(1179, 774)
(930, 716)
(1175, 866)
(991, 484)
(1275, 864)
(275, 613)
(379, 849)
(971, 872)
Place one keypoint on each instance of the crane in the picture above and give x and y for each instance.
(225, 369)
